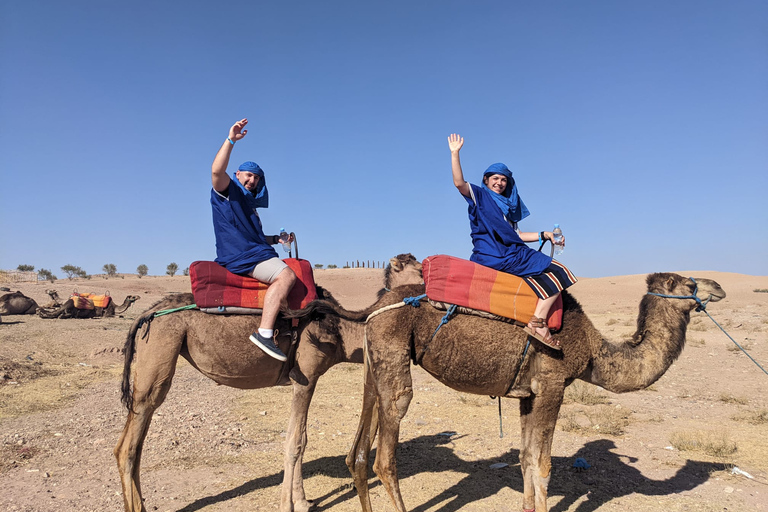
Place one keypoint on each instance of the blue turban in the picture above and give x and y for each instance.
(259, 198)
(508, 201)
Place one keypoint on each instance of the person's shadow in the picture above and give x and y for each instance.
(609, 477)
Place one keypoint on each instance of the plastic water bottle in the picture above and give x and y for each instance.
(558, 234)
(283, 237)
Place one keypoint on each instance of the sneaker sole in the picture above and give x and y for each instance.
(266, 350)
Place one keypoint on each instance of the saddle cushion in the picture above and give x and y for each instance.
(470, 285)
(214, 286)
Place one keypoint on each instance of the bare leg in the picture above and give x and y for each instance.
(276, 295)
(542, 310)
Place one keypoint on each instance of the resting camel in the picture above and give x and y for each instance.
(219, 348)
(16, 303)
(68, 309)
(481, 356)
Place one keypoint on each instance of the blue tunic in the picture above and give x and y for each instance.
(240, 240)
(495, 243)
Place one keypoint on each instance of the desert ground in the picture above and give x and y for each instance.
(696, 440)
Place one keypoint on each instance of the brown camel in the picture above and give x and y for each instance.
(482, 356)
(218, 346)
(68, 309)
(16, 303)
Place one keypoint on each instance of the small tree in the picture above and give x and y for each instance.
(46, 275)
(171, 269)
(185, 271)
(110, 269)
(332, 266)
(318, 265)
(142, 270)
(26, 268)
(73, 271)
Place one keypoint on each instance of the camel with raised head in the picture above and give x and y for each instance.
(482, 356)
(219, 348)
(68, 309)
(16, 303)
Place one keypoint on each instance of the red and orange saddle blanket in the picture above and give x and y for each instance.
(90, 300)
(217, 290)
(451, 280)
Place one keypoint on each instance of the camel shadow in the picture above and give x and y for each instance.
(611, 476)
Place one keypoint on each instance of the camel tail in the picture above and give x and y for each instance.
(129, 350)
(326, 307)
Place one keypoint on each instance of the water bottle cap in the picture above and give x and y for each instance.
(282, 230)
(557, 225)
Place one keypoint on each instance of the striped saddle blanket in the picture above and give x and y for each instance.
(451, 280)
(217, 290)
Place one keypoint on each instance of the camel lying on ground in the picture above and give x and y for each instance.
(68, 309)
(482, 356)
(218, 347)
(16, 303)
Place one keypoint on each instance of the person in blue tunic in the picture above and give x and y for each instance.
(494, 211)
(241, 246)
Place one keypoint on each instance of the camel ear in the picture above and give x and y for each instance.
(670, 283)
(395, 264)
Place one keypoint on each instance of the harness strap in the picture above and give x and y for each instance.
(147, 319)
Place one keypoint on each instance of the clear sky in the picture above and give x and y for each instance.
(640, 127)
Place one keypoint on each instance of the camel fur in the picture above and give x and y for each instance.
(68, 309)
(16, 303)
(477, 355)
(218, 347)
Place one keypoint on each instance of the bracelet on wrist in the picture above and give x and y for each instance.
(231, 141)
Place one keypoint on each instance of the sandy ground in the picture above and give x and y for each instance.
(214, 448)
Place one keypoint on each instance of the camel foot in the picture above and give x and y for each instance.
(303, 506)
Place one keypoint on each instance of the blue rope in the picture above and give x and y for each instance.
(702, 306)
(414, 301)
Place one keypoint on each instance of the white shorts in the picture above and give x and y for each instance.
(268, 270)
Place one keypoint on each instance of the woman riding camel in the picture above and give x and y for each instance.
(494, 211)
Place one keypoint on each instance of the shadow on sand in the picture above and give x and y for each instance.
(611, 476)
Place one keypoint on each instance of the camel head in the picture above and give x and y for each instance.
(402, 269)
(53, 294)
(132, 298)
(684, 289)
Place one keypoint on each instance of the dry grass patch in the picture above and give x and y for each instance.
(730, 399)
(697, 325)
(754, 417)
(603, 419)
(715, 444)
(733, 348)
(696, 342)
(584, 393)
(51, 391)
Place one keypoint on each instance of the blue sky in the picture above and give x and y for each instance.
(640, 127)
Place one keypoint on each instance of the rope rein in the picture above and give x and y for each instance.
(702, 306)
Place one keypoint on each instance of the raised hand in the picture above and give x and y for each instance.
(236, 132)
(455, 141)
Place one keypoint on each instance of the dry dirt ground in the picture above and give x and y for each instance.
(694, 441)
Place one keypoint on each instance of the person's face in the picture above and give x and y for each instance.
(248, 180)
(496, 182)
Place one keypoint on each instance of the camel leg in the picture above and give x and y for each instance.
(357, 459)
(292, 497)
(152, 380)
(395, 390)
(538, 416)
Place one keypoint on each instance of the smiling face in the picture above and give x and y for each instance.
(248, 180)
(496, 182)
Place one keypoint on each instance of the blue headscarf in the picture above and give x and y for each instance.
(508, 201)
(260, 197)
